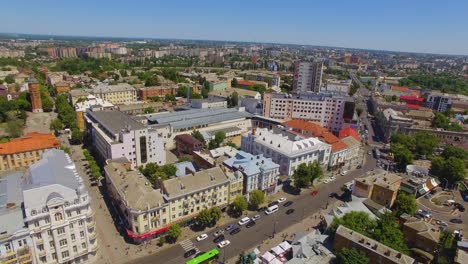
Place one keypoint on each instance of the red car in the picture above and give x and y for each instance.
(314, 193)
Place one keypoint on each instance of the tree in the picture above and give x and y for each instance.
(152, 81)
(401, 155)
(14, 128)
(220, 136)
(234, 83)
(301, 176)
(440, 121)
(204, 218)
(169, 97)
(402, 139)
(351, 256)
(257, 197)
(425, 143)
(76, 136)
(56, 125)
(168, 169)
(232, 100)
(9, 79)
(456, 152)
(174, 232)
(154, 99)
(149, 110)
(47, 103)
(196, 134)
(389, 233)
(216, 214)
(357, 221)
(316, 171)
(454, 170)
(239, 204)
(405, 204)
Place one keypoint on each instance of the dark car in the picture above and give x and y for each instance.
(229, 227)
(200, 253)
(272, 203)
(250, 224)
(456, 220)
(358, 167)
(234, 231)
(287, 204)
(219, 239)
(290, 211)
(333, 195)
(460, 207)
(190, 253)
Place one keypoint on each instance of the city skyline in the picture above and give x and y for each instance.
(406, 27)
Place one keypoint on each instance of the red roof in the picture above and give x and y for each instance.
(411, 98)
(345, 132)
(413, 106)
(31, 141)
(245, 83)
(145, 235)
(400, 88)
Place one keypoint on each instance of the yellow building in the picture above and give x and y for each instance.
(122, 93)
(24, 151)
(188, 195)
(236, 185)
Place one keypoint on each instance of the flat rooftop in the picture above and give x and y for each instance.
(382, 178)
(115, 121)
(106, 88)
(197, 117)
(202, 180)
(135, 190)
(11, 197)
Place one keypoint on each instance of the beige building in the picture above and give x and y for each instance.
(121, 93)
(145, 211)
(24, 151)
(382, 187)
(189, 194)
(236, 184)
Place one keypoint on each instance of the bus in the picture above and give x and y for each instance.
(208, 257)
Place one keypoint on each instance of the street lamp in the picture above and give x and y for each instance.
(274, 229)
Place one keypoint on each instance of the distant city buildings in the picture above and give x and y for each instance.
(25, 151)
(307, 76)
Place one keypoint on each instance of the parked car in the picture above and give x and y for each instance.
(460, 207)
(244, 221)
(314, 193)
(219, 232)
(456, 220)
(282, 199)
(255, 217)
(229, 227)
(332, 195)
(219, 238)
(250, 224)
(290, 211)
(343, 173)
(190, 253)
(358, 167)
(441, 223)
(273, 203)
(288, 203)
(224, 243)
(234, 231)
(202, 237)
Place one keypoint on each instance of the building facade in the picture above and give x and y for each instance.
(58, 212)
(327, 110)
(288, 151)
(438, 102)
(24, 151)
(307, 76)
(420, 234)
(90, 102)
(381, 187)
(115, 135)
(156, 91)
(259, 173)
(186, 144)
(121, 93)
(208, 103)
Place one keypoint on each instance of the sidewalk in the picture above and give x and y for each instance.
(305, 226)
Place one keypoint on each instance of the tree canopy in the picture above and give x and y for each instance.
(306, 174)
(257, 197)
(452, 169)
(445, 82)
(239, 204)
(351, 256)
(405, 204)
(174, 232)
(209, 217)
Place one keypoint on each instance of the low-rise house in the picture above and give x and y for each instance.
(310, 248)
(156, 91)
(421, 234)
(144, 210)
(382, 187)
(62, 87)
(24, 151)
(375, 251)
(260, 173)
(186, 144)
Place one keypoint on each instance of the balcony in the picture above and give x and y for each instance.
(95, 247)
(41, 253)
(89, 213)
(92, 235)
(91, 224)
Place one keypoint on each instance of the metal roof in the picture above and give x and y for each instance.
(115, 121)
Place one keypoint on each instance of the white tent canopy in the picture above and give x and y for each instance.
(268, 256)
(285, 245)
(277, 250)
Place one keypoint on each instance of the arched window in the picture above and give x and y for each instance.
(58, 217)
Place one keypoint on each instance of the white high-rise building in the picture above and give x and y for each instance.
(307, 76)
(57, 211)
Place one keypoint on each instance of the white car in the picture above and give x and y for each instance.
(326, 180)
(202, 237)
(224, 243)
(256, 217)
(343, 173)
(244, 221)
(332, 178)
(282, 199)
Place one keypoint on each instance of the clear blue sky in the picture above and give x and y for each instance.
(434, 26)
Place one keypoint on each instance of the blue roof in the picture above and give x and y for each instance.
(250, 164)
(182, 168)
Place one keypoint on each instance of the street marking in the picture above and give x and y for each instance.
(187, 245)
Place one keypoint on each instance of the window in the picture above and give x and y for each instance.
(36, 223)
(71, 226)
(75, 249)
(38, 235)
(68, 214)
(63, 242)
(81, 233)
(61, 230)
(72, 237)
(80, 223)
(58, 217)
(83, 245)
(40, 247)
(78, 211)
(54, 256)
(8, 247)
(65, 254)
(51, 244)
(47, 220)
(43, 259)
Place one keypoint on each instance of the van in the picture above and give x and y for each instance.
(271, 209)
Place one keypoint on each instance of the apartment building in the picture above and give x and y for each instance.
(327, 110)
(382, 187)
(392, 122)
(188, 195)
(337, 86)
(236, 184)
(144, 211)
(307, 76)
(421, 234)
(260, 173)
(15, 242)
(35, 94)
(375, 251)
(121, 93)
(90, 102)
(439, 101)
(285, 149)
(116, 135)
(24, 151)
(156, 91)
(57, 211)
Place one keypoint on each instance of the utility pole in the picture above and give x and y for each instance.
(274, 229)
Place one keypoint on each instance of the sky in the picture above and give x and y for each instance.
(427, 26)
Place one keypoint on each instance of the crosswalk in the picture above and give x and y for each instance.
(187, 245)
